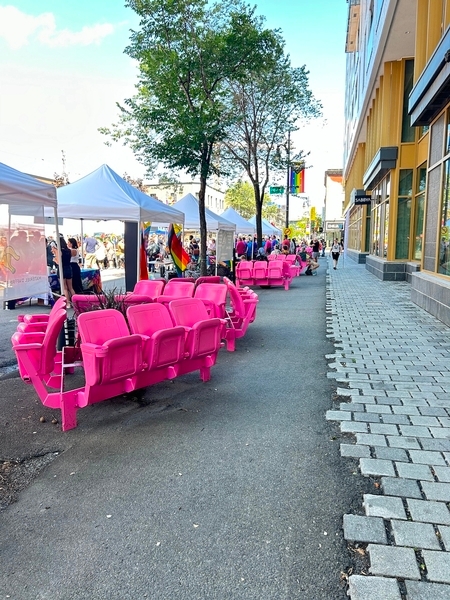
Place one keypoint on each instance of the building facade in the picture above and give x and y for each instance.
(397, 144)
(333, 220)
(214, 198)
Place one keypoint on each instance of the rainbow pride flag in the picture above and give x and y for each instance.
(179, 255)
(297, 181)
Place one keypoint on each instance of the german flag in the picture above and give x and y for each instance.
(179, 255)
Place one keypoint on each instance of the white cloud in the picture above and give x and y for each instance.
(18, 28)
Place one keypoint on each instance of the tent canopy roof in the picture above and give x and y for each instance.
(20, 190)
(189, 206)
(242, 226)
(104, 195)
(267, 228)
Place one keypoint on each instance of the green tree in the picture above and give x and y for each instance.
(241, 197)
(267, 105)
(188, 52)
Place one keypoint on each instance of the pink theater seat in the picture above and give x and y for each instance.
(203, 334)
(260, 271)
(164, 343)
(214, 296)
(176, 288)
(150, 287)
(242, 313)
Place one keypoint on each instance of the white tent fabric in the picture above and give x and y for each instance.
(242, 226)
(104, 195)
(189, 206)
(267, 228)
(25, 194)
(24, 269)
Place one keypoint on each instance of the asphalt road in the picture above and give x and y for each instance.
(230, 489)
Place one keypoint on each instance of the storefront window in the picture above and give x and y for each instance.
(404, 214)
(386, 228)
(444, 240)
(419, 212)
(408, 132)
(380, 217)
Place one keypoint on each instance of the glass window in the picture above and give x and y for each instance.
(447, 150)
(444, 239)
(419, 204)
(404, 214)
(386, 229)
(407, 131)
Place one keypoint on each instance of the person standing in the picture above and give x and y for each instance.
(90, 246)
(75, 258)
(335, 253)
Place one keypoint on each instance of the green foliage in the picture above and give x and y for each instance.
(241, 197)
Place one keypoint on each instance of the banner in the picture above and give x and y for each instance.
(297, 180)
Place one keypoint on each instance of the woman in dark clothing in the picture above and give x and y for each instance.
(66, 255)
(75, 264)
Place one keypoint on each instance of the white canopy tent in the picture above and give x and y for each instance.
(267, 228)
(104, 195)
(23, 202)
(242, 226)
(225, 229)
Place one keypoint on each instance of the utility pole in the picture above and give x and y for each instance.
(288, 177)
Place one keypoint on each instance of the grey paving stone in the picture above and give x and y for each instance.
(395, 419)
(435, 444)
(405, 410)
(445, 536)
(440, 432)
(442, 473)
(414, 431)
(338, 415)
(353, 427)
(422, 590)
(390, 400)
(392, 561)
(374, 466)
(426, 457)
(414, 471)
(383, 428)
(391, 453)
(388, 507)
(428, 511)
(436, 491)
(373, 588)
(403, 442)
(365, 529)
(425, 421)
(407, 488)
(370, 439)
(415, 535)
(379, 408)
(435, 411)
(354, 450)
(438, 565)
(367, 417)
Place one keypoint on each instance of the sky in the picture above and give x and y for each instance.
(63, 68)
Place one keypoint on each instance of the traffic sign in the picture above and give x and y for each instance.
(276, 190)
(287, 232)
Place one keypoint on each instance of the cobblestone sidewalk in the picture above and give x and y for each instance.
(392, 366)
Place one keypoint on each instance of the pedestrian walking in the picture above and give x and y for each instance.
(335, 253)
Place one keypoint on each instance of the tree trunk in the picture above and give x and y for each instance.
(201, 210)
(258, 205)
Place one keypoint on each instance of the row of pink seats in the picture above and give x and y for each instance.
(273, 273)
(162, 343)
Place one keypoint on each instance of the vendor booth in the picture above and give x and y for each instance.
(24, 203)
(104, 195)
(223, 229)
(267, 228)
(242, 226)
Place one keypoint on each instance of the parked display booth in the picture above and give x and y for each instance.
(24, 202)
(104, 195)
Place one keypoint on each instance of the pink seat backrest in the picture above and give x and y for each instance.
(150, 287)
(276, 269)
(260, 269)
(188, 311)
(149, 318)
(131, 299)
(208, 279)
(179, 288)
(213, 293)
(100, 326)
(82, 303)
(290, 258)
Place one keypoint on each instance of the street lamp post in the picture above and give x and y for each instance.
(288, 177)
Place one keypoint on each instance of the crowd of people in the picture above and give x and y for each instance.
(309, 251)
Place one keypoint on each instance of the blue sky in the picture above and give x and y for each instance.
(62, 69)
